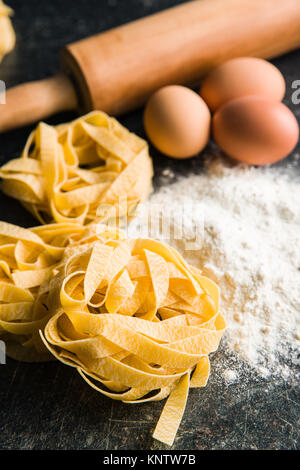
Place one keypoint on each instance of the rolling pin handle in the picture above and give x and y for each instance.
(33, 101)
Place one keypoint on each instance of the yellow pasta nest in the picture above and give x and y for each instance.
(29, 259)
(7, 34)
(92, 169)
(134, 317)
(130, 315)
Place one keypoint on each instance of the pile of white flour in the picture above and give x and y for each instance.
(249, 219)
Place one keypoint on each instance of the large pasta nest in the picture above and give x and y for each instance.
(134, 319)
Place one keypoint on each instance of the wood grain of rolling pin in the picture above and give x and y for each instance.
(117, 70)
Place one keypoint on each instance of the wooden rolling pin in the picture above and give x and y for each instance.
(117, 70)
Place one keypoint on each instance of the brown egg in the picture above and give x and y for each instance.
(240, 77)
(255, 130)
(177, 121)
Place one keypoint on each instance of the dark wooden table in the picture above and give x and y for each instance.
(48, 406)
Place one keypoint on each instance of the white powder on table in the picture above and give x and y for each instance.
(251, 248)
(230, 376)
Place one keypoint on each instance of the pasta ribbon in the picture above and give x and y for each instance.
(138, 323)
(7, 34)
(91, 169)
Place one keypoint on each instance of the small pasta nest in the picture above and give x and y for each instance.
(7, 34)
(138, 323)
(91, 169)
(29, 260)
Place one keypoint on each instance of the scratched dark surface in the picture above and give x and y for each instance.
(48, 406)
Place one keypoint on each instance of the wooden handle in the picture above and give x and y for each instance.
(33, 101)
(117, 70)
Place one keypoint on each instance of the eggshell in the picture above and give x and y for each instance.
(255, 130)
(240, 77)
(177, 121)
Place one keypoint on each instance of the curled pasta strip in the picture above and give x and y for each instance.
(29, 260)
(91, 169)
(7, 34)
(138, 323)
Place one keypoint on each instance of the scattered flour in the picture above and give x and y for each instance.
(230, 376)
(250, 224)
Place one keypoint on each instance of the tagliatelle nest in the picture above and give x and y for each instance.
(134, 317)
(128, 314)
(29, 259)
(7, 34)
(92, 169)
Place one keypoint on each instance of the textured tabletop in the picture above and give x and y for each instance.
(49, 406)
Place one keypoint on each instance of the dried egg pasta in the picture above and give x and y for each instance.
(91, 169)
(134, 319)
(7, 34)
(29, 259)
(123, 321)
